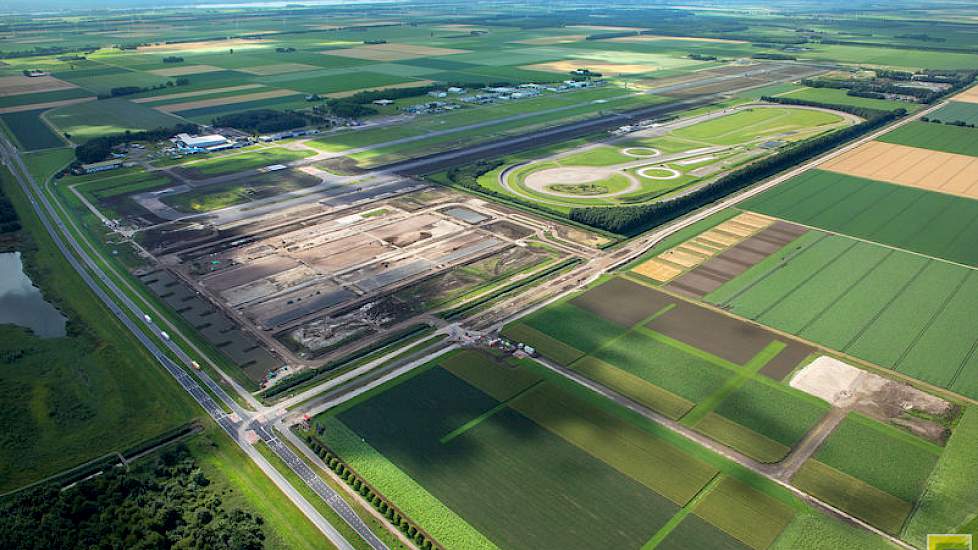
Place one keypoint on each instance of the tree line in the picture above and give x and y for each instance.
(393, 515)
(99, 149)
(631, 220)
(262, 121)
(168, 503)
(9, 223)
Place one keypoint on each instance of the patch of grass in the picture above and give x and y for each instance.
(937, 137)
(29, 131)
(681, 373)
(247, 161)
(241, 484)
(951, 493)
(744, 513)
(575, 326)
(839, 97)
(741, 439)
(694, 532)
(634, 387)
(773, 411)
(84, 121)
(752, 124)
(880, 455)
(75, 398)
(848, 493)
(816, 531)
(492, 475)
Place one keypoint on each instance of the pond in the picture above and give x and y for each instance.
(22, 304)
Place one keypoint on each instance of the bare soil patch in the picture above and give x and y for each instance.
(623, 302)
(48, 105)
(970, 96)
(20, 84)
(723, 336)
(843, 385)
(185, 70)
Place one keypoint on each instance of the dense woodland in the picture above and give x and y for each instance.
(261, 121)
(167, 503)
(8, 217)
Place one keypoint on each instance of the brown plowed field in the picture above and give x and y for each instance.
(623, 302)
(922, 168)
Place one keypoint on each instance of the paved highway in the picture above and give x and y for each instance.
(86, 266)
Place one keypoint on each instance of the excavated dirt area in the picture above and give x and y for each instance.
(845, 386)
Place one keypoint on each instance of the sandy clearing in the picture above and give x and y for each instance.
(970, 95)
(196, 93)
(392, 52)
(202, 103)
(20, 84)
(552, 40)
(910, 166)
(204, 45)
(48, 105)
(185, 70)
(278, 68)
(569, 65)
(843, 385)
(661, 37)
(415, 84)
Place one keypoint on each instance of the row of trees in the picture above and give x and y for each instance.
(631, 220)
(168, 503)
(130, 90)
(262, 120)
(351, 478)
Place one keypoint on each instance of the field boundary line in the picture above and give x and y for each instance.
(712, 401)
(681, 514)
(691, 350)
(886, 306)
(486, 415)
(933, 318)
(593, 353)
(832, 205)
(964, 362)
(807, 279)
(846, 292)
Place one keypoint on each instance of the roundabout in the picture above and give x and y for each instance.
(670, 173)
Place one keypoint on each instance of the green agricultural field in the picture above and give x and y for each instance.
(937, 137)
(694, 532)
(247, 160)
(900, 58)
(889, 307)
(84, 121)
(29, 131)
(884, 456)
(752, 517)
(877, 211)
(75, 398)
(951, 493)
(839, 97)
(574, 326)
(484, 474)
(772, 411)
(956, 111)
(752, 124)
(689, 376)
